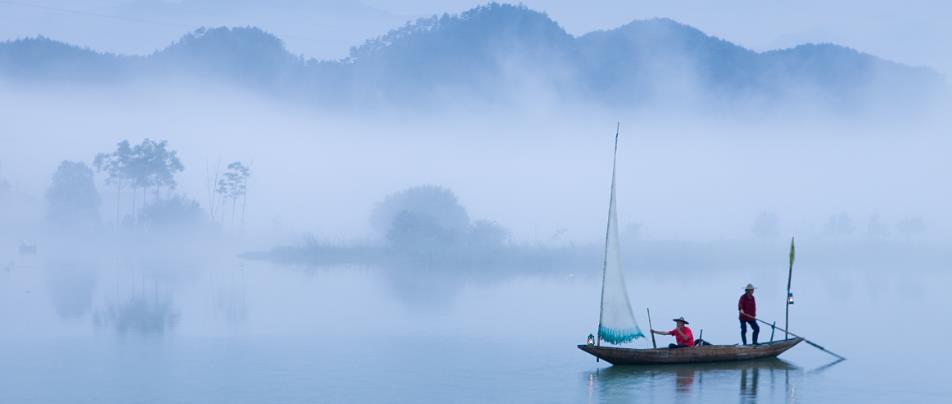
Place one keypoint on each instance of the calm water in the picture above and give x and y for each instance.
(254, 333)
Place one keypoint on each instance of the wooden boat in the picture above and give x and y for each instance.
(617, 323)
(699, 354)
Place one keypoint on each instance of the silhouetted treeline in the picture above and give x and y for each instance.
(496, 53)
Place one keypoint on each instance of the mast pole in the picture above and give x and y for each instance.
(611, 203)
(787, 298)
(653, 344)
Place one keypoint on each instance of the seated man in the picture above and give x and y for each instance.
(682, 334)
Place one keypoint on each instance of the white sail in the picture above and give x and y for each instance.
(616, 323)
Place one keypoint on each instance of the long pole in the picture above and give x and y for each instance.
(805, 340)
(653, 344)
(787, 297)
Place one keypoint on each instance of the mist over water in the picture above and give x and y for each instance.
(447, 245)
(323, 173)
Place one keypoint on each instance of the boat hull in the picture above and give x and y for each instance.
(700, 354)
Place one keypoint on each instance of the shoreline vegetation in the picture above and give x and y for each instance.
(425, 229)
(654, 256)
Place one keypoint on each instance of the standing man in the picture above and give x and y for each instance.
(747, 308)
(682, 334)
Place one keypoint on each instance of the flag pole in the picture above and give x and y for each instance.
(788, 300)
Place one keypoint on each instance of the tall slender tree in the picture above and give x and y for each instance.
(233, 186)
(115, 165)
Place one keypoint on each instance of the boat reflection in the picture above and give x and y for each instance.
(749, 379)
(638, 383)
(684, 379)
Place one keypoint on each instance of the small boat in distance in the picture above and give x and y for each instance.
(26, 248)
(617, 324)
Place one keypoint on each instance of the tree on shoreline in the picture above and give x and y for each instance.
(153, 165)
(115, 165)
(143, 166)
(72, 200)
(234, 185)
(408, 212)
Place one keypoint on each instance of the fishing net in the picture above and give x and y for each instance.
(617, 323)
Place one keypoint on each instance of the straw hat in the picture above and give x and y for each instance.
(750, 286)
(681, 319)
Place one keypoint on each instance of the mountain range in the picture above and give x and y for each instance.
(496, 53)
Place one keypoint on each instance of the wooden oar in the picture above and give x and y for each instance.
(653, 344)
(805, 340)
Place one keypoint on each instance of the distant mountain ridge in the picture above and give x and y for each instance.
(490, 52)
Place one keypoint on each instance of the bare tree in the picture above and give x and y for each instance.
(211, 183)
(233, 185)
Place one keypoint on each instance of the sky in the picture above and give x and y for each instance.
(911, 33)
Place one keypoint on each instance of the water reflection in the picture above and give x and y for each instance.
(426, 291)
(749, 379)
(684, 379)
(232, 300)
(639, 383)
(142, 314)
(71, 284)
(827, 366)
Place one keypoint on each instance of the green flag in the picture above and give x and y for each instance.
(792, 252)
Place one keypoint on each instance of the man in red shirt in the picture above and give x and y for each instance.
(682, 334)
(747, 309)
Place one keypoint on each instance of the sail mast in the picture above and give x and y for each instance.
(608, 229)
(616, 321)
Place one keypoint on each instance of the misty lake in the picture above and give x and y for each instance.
(253, 332)
(304, 201)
